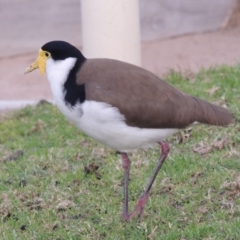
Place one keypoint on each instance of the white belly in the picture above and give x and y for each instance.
(105, 124)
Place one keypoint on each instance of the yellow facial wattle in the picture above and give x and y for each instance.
(40, 62)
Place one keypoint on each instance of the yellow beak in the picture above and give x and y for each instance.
(39, 63)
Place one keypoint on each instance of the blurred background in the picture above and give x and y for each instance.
(183, 35)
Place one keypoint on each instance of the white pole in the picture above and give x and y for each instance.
(111, 29)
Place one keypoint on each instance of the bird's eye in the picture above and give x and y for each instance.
(47, 54)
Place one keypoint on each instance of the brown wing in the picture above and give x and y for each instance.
(145, 100)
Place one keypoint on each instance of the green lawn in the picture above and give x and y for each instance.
(50, 188)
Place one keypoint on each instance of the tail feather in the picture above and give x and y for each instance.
(213, 114)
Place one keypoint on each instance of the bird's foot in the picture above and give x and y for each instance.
(139, 209)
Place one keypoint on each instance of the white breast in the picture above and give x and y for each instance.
(57, 73)
(99, 120)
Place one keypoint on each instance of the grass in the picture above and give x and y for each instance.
(63, 185)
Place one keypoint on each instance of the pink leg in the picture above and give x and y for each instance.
(126, 166)
(144, 196)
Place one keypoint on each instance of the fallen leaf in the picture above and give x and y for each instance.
(98, 153)
(220, 144)
(232, 187)
(212, 90)
(38, 127)
(55, 226)
(78, 157)
(36, 203)
(167, 188)
(64, 205)
(202, 148)
(203, 209)
(153, 233)
(195, 177)
(14, 156)
(92, 169)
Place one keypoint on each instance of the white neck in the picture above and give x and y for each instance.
(57, 73)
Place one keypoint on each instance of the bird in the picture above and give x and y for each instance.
(122, 106)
